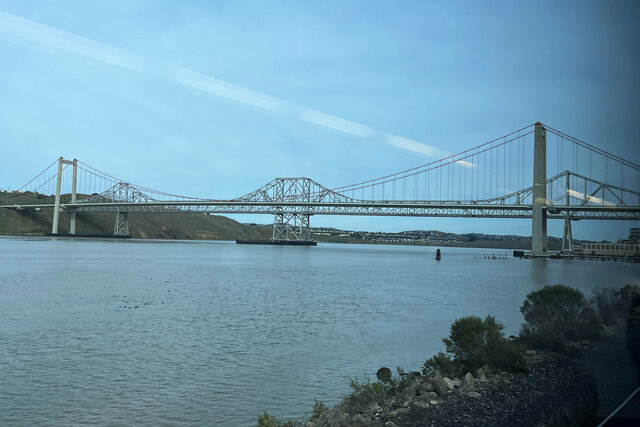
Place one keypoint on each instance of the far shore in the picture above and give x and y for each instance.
(493, 244)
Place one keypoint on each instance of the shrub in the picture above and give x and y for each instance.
(508, 355)
(609, 303)
(369, 391)
(318, 408)
(475, 342)
(266, 420)
(440, 362)
(556, 315)
(377, 391)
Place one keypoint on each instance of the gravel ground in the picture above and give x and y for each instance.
(614, 370)
(556, 391)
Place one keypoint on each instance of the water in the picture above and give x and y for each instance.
(229, 330)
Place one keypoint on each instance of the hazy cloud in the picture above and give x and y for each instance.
(14, 28)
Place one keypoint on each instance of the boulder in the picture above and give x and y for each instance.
(425, 395)
(449, 383)
(467, 382)
(427, 386)
(440, 386)
(384, 374)
(481, 373)
(421, 404)
(407, 394)
(456, 382)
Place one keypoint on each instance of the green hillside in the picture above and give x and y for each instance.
(141, 225)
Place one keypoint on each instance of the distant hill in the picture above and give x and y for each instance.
(141, 225)
(209, 227)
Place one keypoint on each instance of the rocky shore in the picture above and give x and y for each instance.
(556, 390)
(588, 368)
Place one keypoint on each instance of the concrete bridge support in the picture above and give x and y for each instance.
(539, 222)
(56, 209)
(567, 235)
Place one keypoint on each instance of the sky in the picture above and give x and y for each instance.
(215, 99)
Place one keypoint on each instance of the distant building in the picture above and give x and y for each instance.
(628, 247)
(613, 249)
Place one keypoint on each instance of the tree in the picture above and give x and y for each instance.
(475, 342)
(558, 314)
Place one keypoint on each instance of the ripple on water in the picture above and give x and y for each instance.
(224, 332)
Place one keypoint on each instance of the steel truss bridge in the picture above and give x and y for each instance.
(588, 184)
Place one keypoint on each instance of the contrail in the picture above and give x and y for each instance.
(35, 35)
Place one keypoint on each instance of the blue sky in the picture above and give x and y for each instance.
(214, 99)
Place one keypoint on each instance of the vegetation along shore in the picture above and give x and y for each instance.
(574, 361)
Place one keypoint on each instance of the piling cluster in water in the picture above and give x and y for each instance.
(492, 256)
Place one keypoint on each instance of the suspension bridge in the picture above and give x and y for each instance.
(537, 173)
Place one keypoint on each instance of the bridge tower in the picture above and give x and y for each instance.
(567, 235)
(289, 225)
(539, 203)
(56, 209)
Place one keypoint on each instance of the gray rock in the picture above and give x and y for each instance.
(474, 394)
(402, 410)
(427, 395)
(359, 419)
(427, 386)
(384, 374)
(467, 382)
(456, 382)
(421, 404)
(440, 385)
(449, 383)
(481, 373)
(390, 424)
(408, 393)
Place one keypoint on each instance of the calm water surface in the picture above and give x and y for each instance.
(223, 332)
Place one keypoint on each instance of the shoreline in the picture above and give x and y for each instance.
(558, 389)
(233, 240)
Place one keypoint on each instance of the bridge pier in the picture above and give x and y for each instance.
(56, 209)
(291, 226)
(567, 235)
(121, 228)
(74, 198)
(539, 203)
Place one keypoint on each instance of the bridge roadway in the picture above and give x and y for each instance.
(359, 208)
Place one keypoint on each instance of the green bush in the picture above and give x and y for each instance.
(556, 315)
(378, 391)
(370, 391)
(266, 420)
(474, 342)
(610, 304)
(318, 408)
(440, 362)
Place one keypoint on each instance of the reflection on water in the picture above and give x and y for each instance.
(210, 332)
